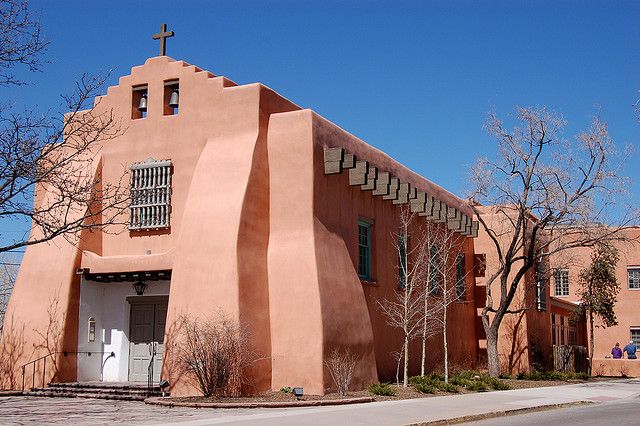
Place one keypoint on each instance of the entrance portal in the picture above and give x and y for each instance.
(146, 337)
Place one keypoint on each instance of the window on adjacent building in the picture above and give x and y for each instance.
(561, 282)
(364, 250)
(634, 278)
(150, 194)
(635, 335)
(461, 288)
(402, 260)
(573, 334)
(541, 288)
(91, 328)
(434, 270)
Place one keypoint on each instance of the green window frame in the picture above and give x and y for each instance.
(364, 250)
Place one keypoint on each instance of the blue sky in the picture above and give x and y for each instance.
(414, 79)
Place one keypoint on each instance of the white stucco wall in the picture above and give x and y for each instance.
(107, 304)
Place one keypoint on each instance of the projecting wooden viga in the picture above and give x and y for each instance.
(381, 183)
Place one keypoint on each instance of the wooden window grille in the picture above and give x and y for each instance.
(562, 282)
(150, 194)
(634, 278)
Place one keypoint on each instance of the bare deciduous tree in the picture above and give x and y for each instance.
(447, 280)
(430, 310)
(214, 352)
(8, 273)
(547, 194)
(21, 41)
(404, 310)
(52, 159)
(341, 364)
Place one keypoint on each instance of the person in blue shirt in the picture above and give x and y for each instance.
(616, 351)
(630, 349)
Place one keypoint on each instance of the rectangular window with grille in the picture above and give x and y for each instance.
(634, 278)
(635, 335)
(562, 282)
(364, 250)
(150, 188)
(461, 288)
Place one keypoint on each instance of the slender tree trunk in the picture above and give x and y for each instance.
(405, 380)
(591, 340)
(424, 334)
(444, 342)
(493, 358)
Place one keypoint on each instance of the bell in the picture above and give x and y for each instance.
(173, 100)
(142, 107)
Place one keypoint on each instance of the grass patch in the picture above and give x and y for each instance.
(382, 389)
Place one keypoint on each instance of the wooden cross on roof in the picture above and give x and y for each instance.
(163, 35)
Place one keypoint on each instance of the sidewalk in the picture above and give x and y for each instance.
(432, 409)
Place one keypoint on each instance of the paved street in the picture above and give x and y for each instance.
(611, 397)
(620, 413)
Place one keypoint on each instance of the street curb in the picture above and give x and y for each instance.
(501, 413)
(314, 403)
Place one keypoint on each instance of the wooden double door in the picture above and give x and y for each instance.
(146, 338)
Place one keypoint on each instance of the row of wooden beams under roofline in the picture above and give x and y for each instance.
(116, 277)
(391, 188)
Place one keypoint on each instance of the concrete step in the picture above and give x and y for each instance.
(117, 391)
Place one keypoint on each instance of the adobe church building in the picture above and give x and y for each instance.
(254, 207)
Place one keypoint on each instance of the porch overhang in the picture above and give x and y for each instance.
(126, 268)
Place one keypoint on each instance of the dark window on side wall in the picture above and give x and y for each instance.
(364, 250)
(434, 270)
(402, 261)
(461, 288)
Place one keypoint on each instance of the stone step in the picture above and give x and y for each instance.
(92, 390)
(104, 385)
(49, 394)
(117, 391)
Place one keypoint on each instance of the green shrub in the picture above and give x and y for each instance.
(425, 387)
(477, 386)
(382, 389)
(505, 376)
(497, 384)
(286, 389)
(447, 387)
(552, 376)
(478, 382)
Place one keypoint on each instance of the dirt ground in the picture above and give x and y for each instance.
(401, 393)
